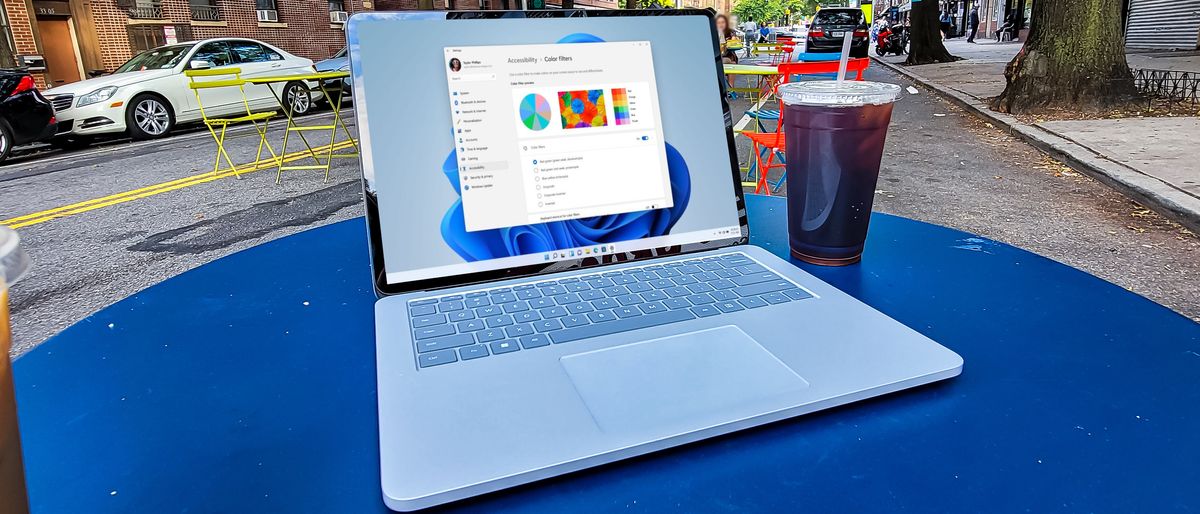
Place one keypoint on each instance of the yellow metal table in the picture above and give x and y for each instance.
(318, 153)
(767, 77)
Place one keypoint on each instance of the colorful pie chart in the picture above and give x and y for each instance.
(535, 111)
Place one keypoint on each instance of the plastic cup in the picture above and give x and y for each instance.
(13, 500)
(834, 132)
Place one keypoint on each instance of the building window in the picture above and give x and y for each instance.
(147, 37)
(142, 9)
(267, 10)
(8, 54)
(204, 10)
(337, 5)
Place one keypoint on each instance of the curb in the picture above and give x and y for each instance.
(1151, 192)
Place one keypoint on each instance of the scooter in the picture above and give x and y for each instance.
(891, 40)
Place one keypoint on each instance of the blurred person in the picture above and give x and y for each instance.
(973, 22)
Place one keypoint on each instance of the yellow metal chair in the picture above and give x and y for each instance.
(223, 123)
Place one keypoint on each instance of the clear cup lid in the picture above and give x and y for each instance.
(13, 260)
(833, 93)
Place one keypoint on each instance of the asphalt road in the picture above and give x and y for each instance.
(941, 165)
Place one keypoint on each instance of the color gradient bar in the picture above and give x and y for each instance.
(620, 106)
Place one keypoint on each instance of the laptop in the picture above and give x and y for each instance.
(560, 246)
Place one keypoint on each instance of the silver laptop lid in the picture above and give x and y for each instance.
(501, 144)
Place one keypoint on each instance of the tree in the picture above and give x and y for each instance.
(1074, 58)
(925, 36)
(761, 11)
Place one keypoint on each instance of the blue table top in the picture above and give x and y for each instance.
(248, 385)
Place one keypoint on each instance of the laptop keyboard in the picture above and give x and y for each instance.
(489, 322)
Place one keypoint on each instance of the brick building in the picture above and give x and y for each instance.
(78, 38)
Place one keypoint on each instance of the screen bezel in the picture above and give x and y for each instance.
(383, 288)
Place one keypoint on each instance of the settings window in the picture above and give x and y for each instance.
(556, 132)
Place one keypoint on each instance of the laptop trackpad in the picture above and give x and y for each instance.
(682, 382)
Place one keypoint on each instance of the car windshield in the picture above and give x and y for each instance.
(157, 59)
(828, 17)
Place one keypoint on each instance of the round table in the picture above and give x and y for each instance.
(248, 385)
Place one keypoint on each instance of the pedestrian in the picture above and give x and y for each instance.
(1010, 26)
(764, 33)
(725, 33)
(946, 22)
(973, 21)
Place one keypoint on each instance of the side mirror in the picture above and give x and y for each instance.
(200, 65)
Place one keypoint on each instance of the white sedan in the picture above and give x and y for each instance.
(147, 96)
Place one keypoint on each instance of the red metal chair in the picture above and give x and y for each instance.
(769, 147)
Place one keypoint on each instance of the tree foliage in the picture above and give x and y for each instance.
(1074, 58)
(925, 36)
(763, 11)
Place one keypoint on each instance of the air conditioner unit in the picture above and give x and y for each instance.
(268, 15)
(338, 16)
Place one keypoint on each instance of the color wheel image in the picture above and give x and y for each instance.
(534, 112)
(580, 109)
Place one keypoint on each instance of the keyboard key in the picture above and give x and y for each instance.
(730, 306)
(500, 347)
(426, 301)
(700, 299)
(431, 319)
(499, 290)
(709, 266)
(700, 288)
(775, 298)
(436, 358)
(474, 351)
(553, 290)
(754, 278)
(574, 321)
(504, 298)
(522, 287)
(627, 312)
(645, 276)
(688, 269)
(725, 273)
(534, 341)
(451, 306)
(547, 325)
(661, 283)
(576, 287)
(601, 316)
(750, 269)
(753, 302)
(564, 299)
(526, 317)
(676, 292)
(620, 325)
(705, 311)
(629, 299)
(462, 315)
(441, 343)
(523, 329)
(471, 325)
(639, 287)
(654, 296)
(490, 310)
(491, 334)
(615, 291)
(478, 302)
(722, 283)
(652, 307)
(528, 294)
(623, 280)
(600, 283)
(684, 280)
(591, 295)
(452, 297)
(541, 303)
(722, 296)
(605, 303)
(797, 294)
(677, 303)
(705, 276)
(568, 280)
(512, 307)
(546, 283)
(499, 321)
(579, 308)
(434, 331)
(669, 273)
(422, 310)
(553, 312)
(764, 288)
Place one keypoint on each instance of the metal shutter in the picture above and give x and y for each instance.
(1163, 24)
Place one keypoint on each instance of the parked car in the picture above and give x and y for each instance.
(148, 95)
(25, 115)
(339, 62)
(829, 26)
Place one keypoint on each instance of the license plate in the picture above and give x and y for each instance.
(839, 34)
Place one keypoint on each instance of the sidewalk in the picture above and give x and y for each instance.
(1152, 160)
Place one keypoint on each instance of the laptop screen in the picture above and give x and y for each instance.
(539, 144)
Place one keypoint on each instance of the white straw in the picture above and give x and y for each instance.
(845, 63)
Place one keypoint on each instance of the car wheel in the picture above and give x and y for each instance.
(297, 98)
(149, 117)
(6, 141)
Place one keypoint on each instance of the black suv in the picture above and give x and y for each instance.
(829, 26)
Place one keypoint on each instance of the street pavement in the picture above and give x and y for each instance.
(941, 165)
(1152, 159)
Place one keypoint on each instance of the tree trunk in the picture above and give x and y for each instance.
(1074, 58)
(925, 36)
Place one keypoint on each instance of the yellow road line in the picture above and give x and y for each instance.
(172, 185)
